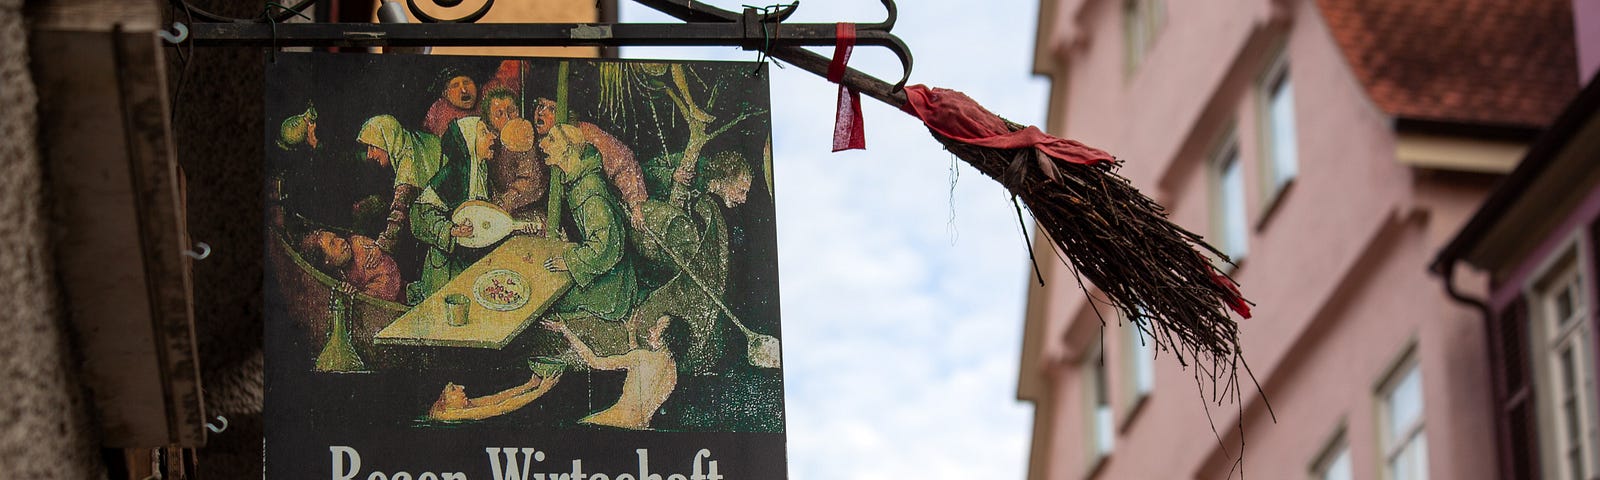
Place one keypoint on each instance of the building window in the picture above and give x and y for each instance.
(1102, 432)
(1230, 229)
(1565, 369)
(1334, 462)
(1140, 358)
(1144, 369)
(1405, 446)
(1141, 19)
(1281, 161)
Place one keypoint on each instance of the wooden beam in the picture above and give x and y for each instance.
(119, 217)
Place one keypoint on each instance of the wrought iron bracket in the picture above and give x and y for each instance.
(751, 29)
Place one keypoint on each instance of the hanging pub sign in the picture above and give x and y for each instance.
(487, 268)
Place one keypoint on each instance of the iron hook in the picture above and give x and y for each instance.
(215, 429)
(887, 24)
(183, 33)
(900, 50)
(205, 250)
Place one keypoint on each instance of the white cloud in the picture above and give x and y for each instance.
(901, 327)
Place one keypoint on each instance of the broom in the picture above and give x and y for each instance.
(1149, 268)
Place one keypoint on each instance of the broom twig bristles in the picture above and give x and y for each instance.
(1121, 241)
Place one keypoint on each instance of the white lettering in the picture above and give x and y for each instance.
(714, 474)
(377, 476)
(401, 476)
(339, 471)
(698, 457)
(599, 476)
(427, 476)
(577, 470)
(677, 476)
(511, 472)
(644, 466)
(625, 476)
(453, 476)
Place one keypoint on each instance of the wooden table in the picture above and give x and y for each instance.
(425, 323)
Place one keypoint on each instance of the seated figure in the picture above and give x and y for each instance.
(359, 264)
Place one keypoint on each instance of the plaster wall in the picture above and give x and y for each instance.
(1069, 457)
(1336, 265)
(1586, 27)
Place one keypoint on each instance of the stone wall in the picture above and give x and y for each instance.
(46, 431)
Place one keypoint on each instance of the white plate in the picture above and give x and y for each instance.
(501, 290)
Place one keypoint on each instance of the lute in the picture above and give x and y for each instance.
(490, 223)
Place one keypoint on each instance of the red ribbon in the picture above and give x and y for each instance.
(849, 132)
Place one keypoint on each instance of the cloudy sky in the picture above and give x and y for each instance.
(903, 270)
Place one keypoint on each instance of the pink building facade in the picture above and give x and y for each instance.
(1332, 147)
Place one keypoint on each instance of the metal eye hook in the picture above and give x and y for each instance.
(205, 251)
(215, 429)
(183, 33)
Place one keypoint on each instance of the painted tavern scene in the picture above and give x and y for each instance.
(471, 252)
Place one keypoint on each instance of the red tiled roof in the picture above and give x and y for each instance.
(1493, 62)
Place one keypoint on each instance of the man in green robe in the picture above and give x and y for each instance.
(465, 177)
(604, 283)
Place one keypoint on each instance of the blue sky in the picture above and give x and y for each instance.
(903, 270)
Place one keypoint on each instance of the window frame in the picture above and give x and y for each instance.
(1228, 151)
(1277, 72)
(1336, 446)
(1389, 449)
(1137, 369)
(1142, 21)
(1572, 261)
(1098, 425)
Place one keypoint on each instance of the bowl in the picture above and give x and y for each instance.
(546, 367)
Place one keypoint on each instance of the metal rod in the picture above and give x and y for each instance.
(518, 34)
(708, 26)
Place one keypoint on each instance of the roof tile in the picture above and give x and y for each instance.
(1491, 62)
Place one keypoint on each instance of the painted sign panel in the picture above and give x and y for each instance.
(497, 268)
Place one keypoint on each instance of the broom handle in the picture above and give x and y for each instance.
(683, 266)
(818, 64)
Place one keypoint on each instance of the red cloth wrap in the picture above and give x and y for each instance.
(955, 115)
(849, 131)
